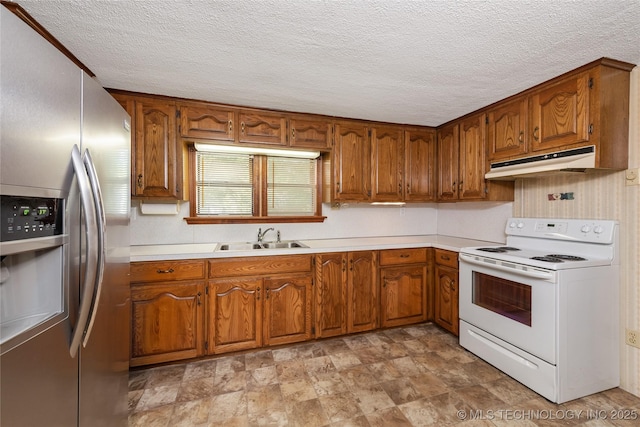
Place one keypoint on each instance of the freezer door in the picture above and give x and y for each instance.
(104, 359)
(40, 114)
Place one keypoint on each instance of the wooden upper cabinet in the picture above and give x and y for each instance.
(309, 132)
(260, 127)
(419, 165)
(560, 113)
(206, 122)
(387, 145)
(157, 169)
(507, 134)
(351, 162)
(472, 158)
(448, 145)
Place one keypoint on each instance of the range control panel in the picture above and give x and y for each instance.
(30, 217)
(575, 230)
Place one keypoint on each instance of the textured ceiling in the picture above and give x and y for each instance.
(418, 62)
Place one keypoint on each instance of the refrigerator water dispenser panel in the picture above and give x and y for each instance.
(30, 217)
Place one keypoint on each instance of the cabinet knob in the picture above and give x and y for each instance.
(521, 137)
(445, 257)
(198, 298)
(242, 127)
(230, 126)
(293, 133)
(536, 133)
(140, 181)
(258, 293)
(167, 271)
(404, 256)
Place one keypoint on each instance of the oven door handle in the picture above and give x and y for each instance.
(530, 272)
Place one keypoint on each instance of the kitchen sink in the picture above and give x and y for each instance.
(250, 246)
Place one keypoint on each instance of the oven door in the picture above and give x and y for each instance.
(517, 304)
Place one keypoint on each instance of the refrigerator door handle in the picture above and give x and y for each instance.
(91, 225)
(101, 229)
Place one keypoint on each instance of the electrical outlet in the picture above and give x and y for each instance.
(632, 338)
(632, 176)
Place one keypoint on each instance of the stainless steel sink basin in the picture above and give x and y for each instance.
(250, 246)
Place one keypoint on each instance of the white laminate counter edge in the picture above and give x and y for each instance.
(207, 250)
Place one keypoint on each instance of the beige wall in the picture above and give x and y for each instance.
(602, 196)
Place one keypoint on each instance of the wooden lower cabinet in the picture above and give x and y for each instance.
(167, 322)
(346, 293)
(404, 293)
(259, 301)
(446, 284)
(235, 314)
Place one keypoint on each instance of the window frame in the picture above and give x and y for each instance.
(259, 194)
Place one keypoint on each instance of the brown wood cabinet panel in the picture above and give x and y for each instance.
(507, 134)
(254, 266)
(403, 256)
(448, 144)
(446, 313)
(157, 168)
(206, 122)
(331, 294)
(159, 271)
(287, 309)
(560, 114)
(387, 167)
(235, 314)
(419, 167)
(261, 127)
(167, 322)
(472, 158)
(447, 258)
(351, 162)
(403, 295)
(308, 132)
(362, 291)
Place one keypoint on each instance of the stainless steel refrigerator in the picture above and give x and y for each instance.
(64, 247)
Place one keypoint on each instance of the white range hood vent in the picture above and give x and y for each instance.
(576, 160)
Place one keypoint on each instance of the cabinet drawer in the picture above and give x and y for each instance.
(448, 258)
(258, 266)
(160, 271)
(403, 256)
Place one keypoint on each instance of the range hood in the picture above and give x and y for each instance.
(576, 160)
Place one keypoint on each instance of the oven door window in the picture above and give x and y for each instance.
(507, 298)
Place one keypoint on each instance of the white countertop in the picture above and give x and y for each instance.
(207, 250)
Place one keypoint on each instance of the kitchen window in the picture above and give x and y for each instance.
(253, 185)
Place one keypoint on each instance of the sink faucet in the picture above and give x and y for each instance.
(261, 233)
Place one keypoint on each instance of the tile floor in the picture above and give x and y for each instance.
(409, 376)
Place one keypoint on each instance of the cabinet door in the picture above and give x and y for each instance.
(156, 169)
(310, 133)
(447, 298)
(287, 309)
(167, 322)
(200, 121)
(419, 169)
(235, 314)
(472, 158)
(448, 163)
(387, 168)
(507, 134)
(403, 295)
(262, 128)
(352, 162)
(331, 294)
(362, 292)
(560, 114)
